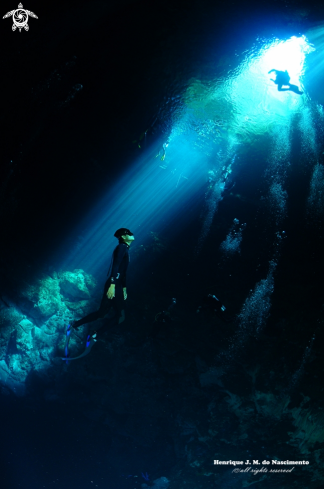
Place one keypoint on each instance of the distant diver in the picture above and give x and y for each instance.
(282, 79)
(163, 150)
(211, 304)
(114, 290)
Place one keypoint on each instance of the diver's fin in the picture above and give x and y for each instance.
(294, 88)
(91, 339)
(67, 340)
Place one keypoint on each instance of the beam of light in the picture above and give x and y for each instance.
(287, 55)
(315, 62)
(145, 199)
(213, 117)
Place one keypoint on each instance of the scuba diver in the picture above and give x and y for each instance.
(211, 304)
(163, 150)
(114, 290)
(283, 78)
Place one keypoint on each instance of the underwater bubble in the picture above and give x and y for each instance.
(231, 244)
(301, 369)
(308, 132)
(278, 201)
(315, 201)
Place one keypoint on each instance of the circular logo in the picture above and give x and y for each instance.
(20, 18)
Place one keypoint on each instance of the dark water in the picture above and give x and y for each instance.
(90, 97)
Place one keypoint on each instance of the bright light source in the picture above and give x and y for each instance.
(246, 101)
(315, 63)
(286, 55)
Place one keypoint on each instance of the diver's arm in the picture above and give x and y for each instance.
(271, 71)
(111, 291)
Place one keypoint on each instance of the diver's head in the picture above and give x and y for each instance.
(126, 238)
(124, 235)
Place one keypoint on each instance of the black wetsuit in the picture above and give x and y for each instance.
(117, 276)
(283, 78)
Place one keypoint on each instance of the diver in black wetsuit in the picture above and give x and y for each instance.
(213, 305)
(283, 78)
(115, 287)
